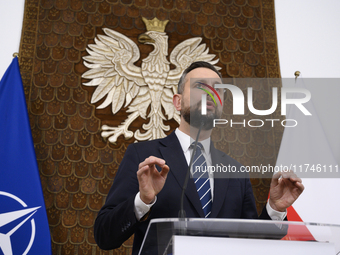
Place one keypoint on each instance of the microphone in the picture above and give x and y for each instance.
(181, 213)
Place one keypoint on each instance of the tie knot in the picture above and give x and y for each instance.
(199, 146)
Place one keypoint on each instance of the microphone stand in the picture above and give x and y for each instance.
(181, 213)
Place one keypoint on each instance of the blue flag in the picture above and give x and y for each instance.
(23, 220)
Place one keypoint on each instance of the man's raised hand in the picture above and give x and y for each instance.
(151, 182)
(285, 188)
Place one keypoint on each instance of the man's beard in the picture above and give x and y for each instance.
(194, 117)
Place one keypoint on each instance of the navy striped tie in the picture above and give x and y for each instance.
(201, 180)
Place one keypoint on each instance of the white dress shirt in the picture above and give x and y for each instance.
(185, 140)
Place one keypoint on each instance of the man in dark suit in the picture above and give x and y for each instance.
(150, 177)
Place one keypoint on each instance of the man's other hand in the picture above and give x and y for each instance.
(151, 182)
(285, 188)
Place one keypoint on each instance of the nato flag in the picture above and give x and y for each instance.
(23, 220)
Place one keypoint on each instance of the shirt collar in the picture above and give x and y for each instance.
(185, 141)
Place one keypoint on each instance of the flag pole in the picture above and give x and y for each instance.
(297, 74)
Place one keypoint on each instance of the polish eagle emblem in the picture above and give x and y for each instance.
(111, 62)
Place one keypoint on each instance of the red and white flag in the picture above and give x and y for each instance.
(306, 150)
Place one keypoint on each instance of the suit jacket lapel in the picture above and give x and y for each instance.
(173, 155)
(220, 184)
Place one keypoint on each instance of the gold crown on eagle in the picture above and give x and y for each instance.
(155, 24)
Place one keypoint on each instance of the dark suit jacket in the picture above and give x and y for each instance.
(116, 221)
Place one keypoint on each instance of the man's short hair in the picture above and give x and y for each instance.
(193, 66)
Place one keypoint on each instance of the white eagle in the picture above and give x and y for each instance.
(111, 62)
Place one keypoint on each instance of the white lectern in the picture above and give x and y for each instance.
(232, 236)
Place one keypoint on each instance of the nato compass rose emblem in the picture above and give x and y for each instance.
(14, 221)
